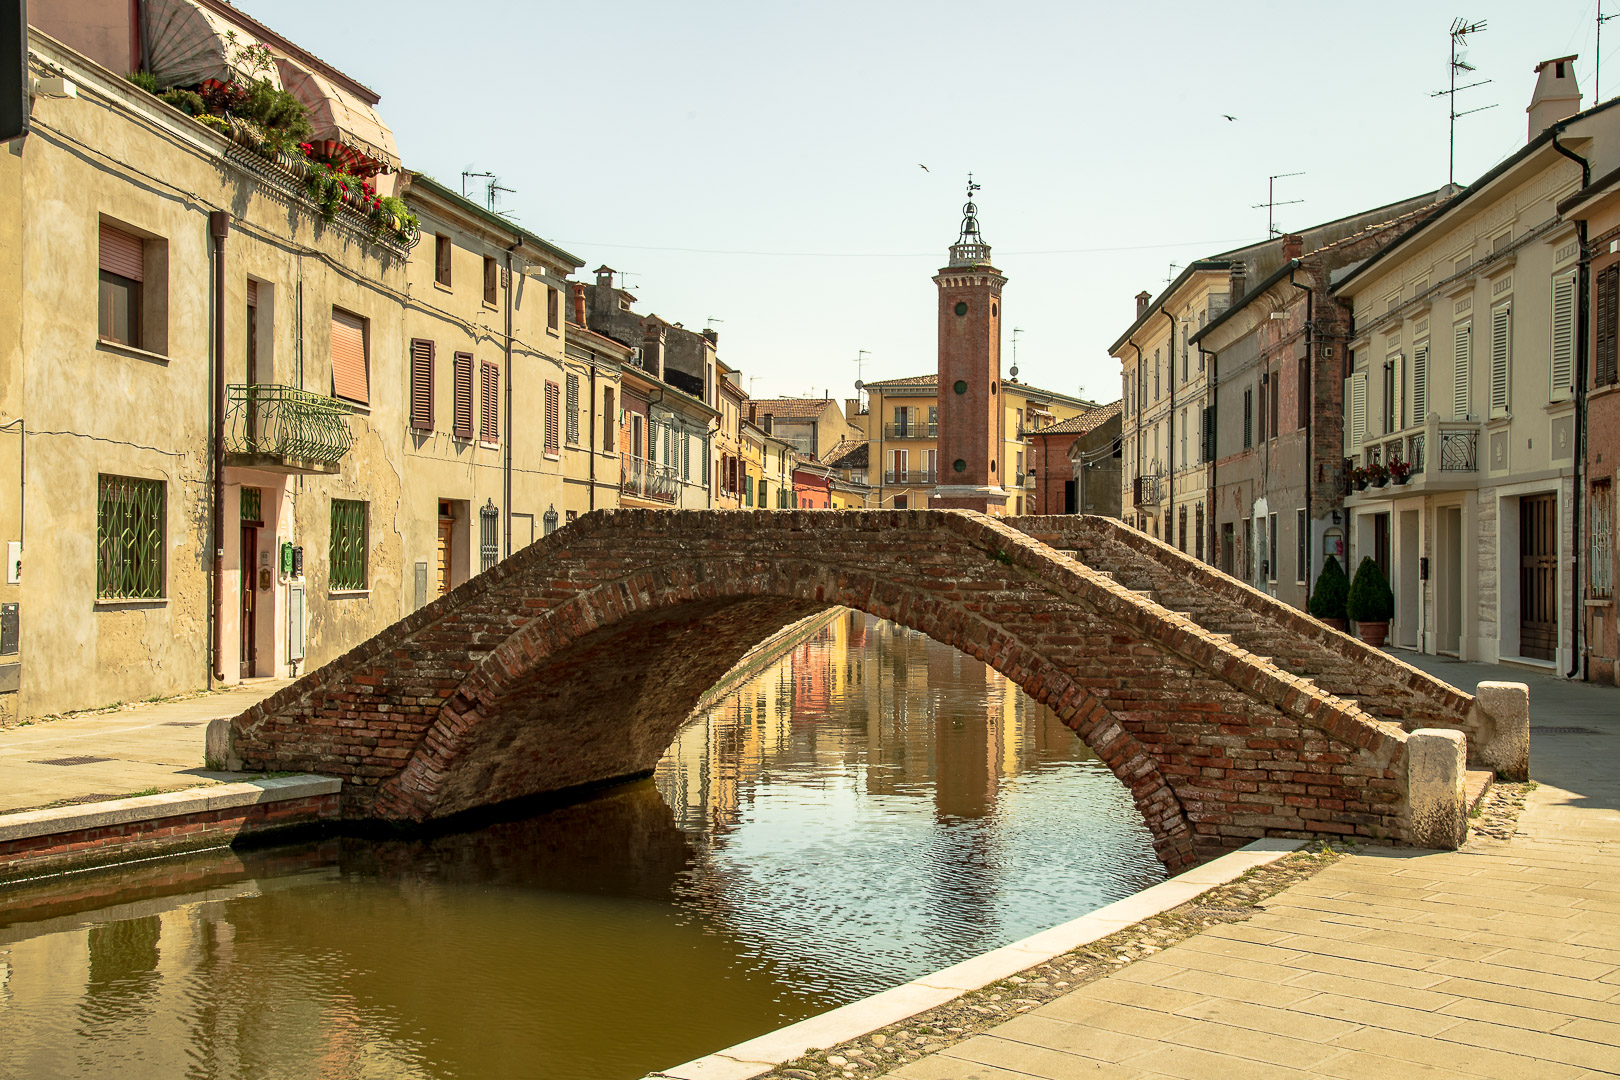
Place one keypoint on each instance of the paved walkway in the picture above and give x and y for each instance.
(1501, 960)
(139, 747)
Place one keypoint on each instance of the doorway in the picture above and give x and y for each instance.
(1228, 542)
(1448, 579)
(1538, 577)
(248, 617)
(447, 541)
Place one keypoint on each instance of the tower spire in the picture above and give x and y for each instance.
(970, 248)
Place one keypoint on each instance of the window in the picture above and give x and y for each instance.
(1271, 550)
(703, 450)
(610, 422)
(930, 466)
(489, 544)
(1209, 433)
(1302, 387)
(441, 259)
(898, 473)
(1462, 362)
(1156, 367)
(463, 419)
(1606, 357)
(1184, 441)
(1248, 418)
(686, 455)
(748, 490)
(129, 538)
(1600, 566)
(1501, 325)
(1420, 383)
(492, 281)
(122, 269)
(489, 402)
(551, 419)
(1265, 394)
(1184, 331)
(551, 308)
(571, 428)
(933, 421)
(421, 384)
(351, 366)
(1273, 394)
(347, 554)
(1391, 422)
(1198, 530)
(1301, 559)
(1563, 335)
(1181, 529)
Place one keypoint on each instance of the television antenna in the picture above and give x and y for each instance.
(1014, 370)
(1170, 274)
(1597, 74)
(492, 187)
(710, 324)
(1460, 29)
(1271, 202)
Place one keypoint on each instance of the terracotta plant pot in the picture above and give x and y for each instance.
(1373, 633)
(1341, 625)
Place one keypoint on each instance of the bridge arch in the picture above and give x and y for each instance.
(576, 660)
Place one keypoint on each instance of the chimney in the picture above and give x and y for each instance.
(1143, 299)
(753, 414)
(604, 276)
(1239, 281)
(712, 336)
(1293, 246)
(579, 305)
(1556, 96)
(652, 346)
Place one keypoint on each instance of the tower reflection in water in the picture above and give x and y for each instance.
(871, 807)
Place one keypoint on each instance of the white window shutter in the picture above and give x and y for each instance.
(1420, 384)
(1357, 393)
(1461, 370)
(1563, 335)
(1500, 324)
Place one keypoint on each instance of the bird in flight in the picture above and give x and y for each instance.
(923, 167)
(1229, 116)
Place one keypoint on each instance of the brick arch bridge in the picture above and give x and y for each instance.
(575, 661)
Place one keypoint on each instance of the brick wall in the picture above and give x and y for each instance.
(576, 660)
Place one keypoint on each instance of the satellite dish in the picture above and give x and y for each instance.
(859, 385)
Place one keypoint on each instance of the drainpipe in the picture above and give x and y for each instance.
(1214, 440)
(1141, 385)
(1310, 414)
(1170, 450)
(219, 227)
(592, 488)
(1582, 314)
(506, 444)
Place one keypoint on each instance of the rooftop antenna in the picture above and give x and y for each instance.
(710, 324)
(1460, 29)
(1013, 371)
(1170, 275)
(624, 278)
(491, 195)
(466, 175)
(1271, 202)
(1597, 74)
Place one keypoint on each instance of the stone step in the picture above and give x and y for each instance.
(1476, 782)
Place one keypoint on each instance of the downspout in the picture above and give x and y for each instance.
(145, 27)
(219, 227)
(506, 444)
(1582, 315)
(1141, 385)
(1310, 415)
(592, 504)
(1170, 449)
(1214, 457)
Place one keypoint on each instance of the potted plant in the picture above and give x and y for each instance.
(1377, 475)
(1399, 472)
(1358, 477)
(1328, 599)
(1370, 602)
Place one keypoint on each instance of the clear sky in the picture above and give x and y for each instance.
(758, 163)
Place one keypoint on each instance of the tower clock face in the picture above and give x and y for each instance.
(961, 308)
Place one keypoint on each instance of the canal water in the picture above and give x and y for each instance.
(870, 807)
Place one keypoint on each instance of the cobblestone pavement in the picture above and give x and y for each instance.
(1501, 960)
(145, 747)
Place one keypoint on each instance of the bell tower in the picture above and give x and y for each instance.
(970, 413)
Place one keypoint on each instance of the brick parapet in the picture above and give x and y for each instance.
(575, 661)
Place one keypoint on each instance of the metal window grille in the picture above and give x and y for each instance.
(348, 544)
(572, 427)
(252, 504)
(129, 538)
(1601, 564)
(489, 546)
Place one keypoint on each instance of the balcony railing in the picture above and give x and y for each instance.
(1146, 491)
(911, 431)
(648, 479)
(285, 429)
(1457, 441)
(910, 476)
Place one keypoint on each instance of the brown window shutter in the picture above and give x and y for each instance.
(464, 396)
(121, 253)
(349, 375)
(441, 259)
(421, 384)
(252, 293)
(551, 418)
(489, 420)
(1605, 367)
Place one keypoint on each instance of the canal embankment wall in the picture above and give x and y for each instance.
(768, 652)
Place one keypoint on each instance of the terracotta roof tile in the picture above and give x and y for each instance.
(1085, 422)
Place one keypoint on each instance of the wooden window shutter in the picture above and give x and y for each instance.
(121, 253)
(1248, 418)
(1500, 324)
(463, 420)
(489, 404)
(572, 427)
(349, 376)
(551, 418)
(1302, 388)
(1606, 358)
(421, 384)
(1358, 409)
(252, 293)
(1563, 335)
(1463, 340)
(1420, 384)
(441, 259)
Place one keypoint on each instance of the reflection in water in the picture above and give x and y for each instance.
(867, 809)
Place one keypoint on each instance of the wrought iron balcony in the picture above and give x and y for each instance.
(285, 429)
(911, 431)
(1145, 491)
(909, 476)
(645, 479)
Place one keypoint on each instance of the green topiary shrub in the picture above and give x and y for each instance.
(1370, 599)
(1332, 590)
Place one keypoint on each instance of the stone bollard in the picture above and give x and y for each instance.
(1436, 759)
(219, 751)
(1501, 715)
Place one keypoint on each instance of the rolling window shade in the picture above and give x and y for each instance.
(349, 376)
(421, 384)
(1563, 335)
(463, 428)
(1462, 370)
(1500, 323)
(121, 253)
(489, 405)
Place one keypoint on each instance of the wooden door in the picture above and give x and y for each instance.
(446, 528)
(1538, 577)
(250, 563)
